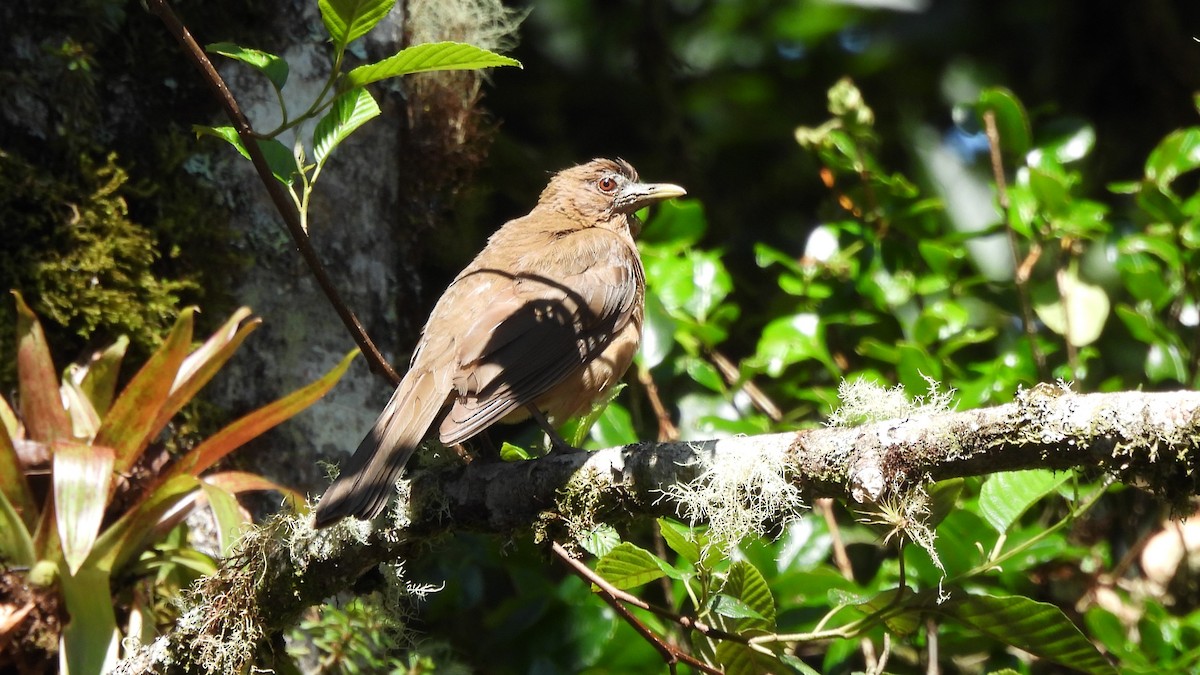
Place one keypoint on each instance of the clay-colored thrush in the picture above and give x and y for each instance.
(542, 322)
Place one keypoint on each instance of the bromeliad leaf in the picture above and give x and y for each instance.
(348, 20)
(45, 419)
(275, 68)
(426, 57)
(350, 111)
(82, 474)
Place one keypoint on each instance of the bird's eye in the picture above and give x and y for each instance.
(607, 185)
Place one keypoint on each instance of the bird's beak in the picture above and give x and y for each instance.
(637, 195)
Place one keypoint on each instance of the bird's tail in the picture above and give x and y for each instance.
(368, 479)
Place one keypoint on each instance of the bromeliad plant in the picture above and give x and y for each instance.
(91, 501)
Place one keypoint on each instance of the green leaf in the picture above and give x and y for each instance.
(426, 57)
(614, 427)
(239, 482)
(1004, 497)
(230, 520)
(789, 340)
(600, 541)
(513, 453)
(1036, 627)
(82, 476)
(1165, 362)
(16, 542)
(677, 226)
(90, 639)
(746, 583)
(279, 158)
(275, 68)
(128, 537)
(734, 608)
(1072, 308)
(658, 333)
(350, 111)
(1012, 123)
(348, 20)
(680, 538)
(1177, 154)
(41, 407)
(629, 566)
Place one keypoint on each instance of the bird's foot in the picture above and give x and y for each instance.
(558, 445)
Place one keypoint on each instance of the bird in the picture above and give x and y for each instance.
(542, 323)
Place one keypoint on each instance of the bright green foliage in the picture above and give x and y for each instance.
(116, 499)
(343, 104)
(887, 290)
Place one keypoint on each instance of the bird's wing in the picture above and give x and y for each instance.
(538, 329)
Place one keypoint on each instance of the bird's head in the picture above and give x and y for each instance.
(603, 191)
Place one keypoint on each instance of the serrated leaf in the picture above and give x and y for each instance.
(734, 608)
(680, 539)
(82, 475)
(426, 57)
(1005, 496)
(746, 583)
(629, 566)
(739, 659)
(1036, 627)
(279, 159)
(348, 20)
(600, 541)
(275, 68)
(350, 111)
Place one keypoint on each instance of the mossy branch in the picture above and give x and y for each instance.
(1149, 439)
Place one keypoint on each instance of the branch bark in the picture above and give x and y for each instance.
(1149, 439)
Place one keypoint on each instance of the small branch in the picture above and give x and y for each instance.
(1021, 280)
(615, 597)
(758, 397)
(667, 431)
(279, 197)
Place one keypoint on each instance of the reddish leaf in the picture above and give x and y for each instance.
(200, 366)
(82, 474)
(238, 482)
(256, 423)
(12, 481)
(99, 382)
(45, 419)
(133, 420)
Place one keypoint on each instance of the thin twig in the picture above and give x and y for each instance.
(758, 397)
(279, 196)
(1021, 280)
(931, 640)
(667, 431)
(615, 597)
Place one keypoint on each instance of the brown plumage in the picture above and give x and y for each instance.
(548, 315)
